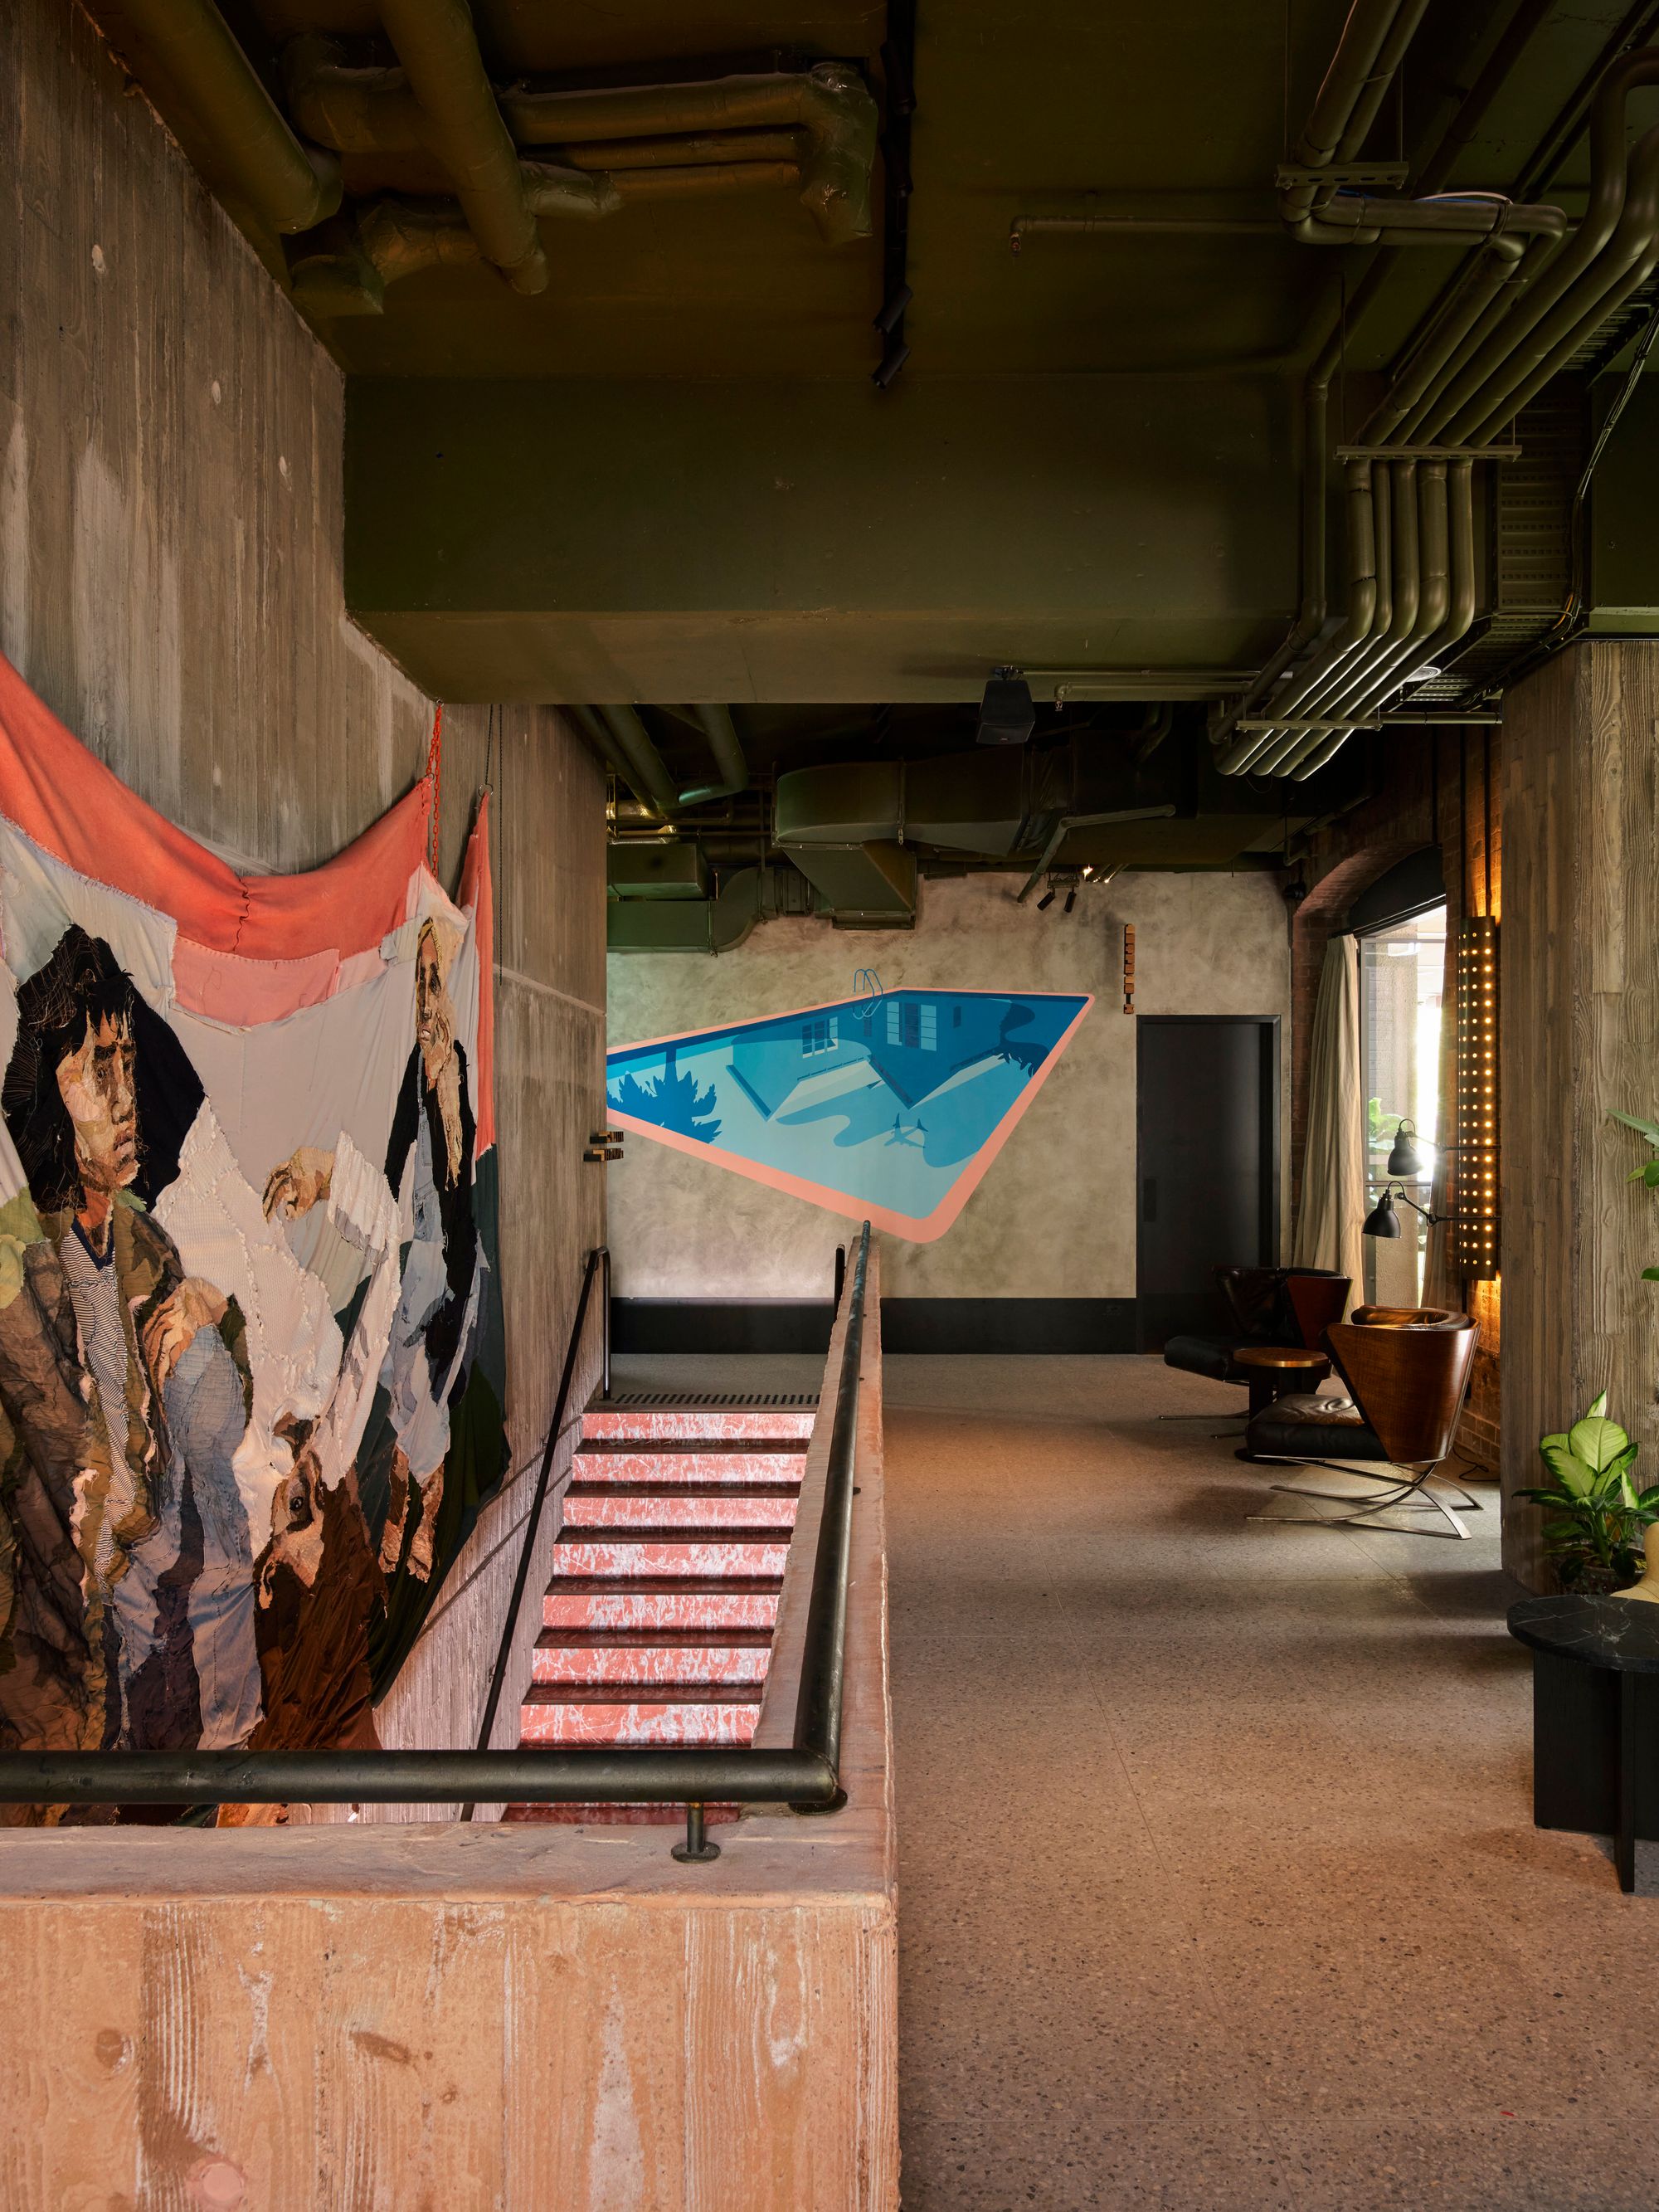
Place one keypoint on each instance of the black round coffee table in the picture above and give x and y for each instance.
(1595, 1716)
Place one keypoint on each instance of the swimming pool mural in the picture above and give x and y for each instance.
(890, 1105)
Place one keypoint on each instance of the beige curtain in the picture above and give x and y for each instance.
(1442, 1284)
(1333, 1202)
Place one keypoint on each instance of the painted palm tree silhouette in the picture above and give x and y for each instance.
(673, 1102)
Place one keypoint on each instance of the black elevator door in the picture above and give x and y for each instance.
(1207, 1157)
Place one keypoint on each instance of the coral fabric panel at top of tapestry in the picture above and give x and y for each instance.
(252, 1366)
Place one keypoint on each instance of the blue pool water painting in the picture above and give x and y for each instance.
(889, 1105)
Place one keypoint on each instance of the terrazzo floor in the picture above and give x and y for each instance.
(1219, 1886)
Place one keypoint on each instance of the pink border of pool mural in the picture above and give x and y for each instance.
(923, 1229)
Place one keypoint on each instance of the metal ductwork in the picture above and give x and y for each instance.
(1524, 305)
(655, 923)
(842, 827)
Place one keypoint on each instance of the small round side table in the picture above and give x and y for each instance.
(1276, 1369)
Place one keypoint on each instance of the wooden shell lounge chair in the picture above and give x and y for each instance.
(1406, 1368)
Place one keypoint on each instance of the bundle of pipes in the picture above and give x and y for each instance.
(1525, 303)
(814, 131)
(620, 736)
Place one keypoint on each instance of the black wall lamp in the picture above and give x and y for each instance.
(1384, 1221)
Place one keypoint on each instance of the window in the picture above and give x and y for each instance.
(914, 1026)
(1402, 968)
(818, 1034)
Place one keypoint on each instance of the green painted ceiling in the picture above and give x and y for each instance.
(668, 476)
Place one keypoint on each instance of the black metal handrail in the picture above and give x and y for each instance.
(807, 1774)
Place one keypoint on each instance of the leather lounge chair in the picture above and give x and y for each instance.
(1406, 1373)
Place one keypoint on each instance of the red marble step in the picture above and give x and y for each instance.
(643, 1656)
(664, 1506)
(682, 1422)
(659, 1603)
(615, 1713)
(698, 1463)
(705, 1552)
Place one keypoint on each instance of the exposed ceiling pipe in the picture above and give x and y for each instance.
(1425, 564)
(1340, 322)
(1460, 611)
(400, 237)
(1368, 56)
(731, 768)
(1452, 219)
(1483, 296)
(291, 185)
(438, 47)
(703, 180)
(1486, 351)
(830, 103)
(1624, 265)
(1352, 67)
(641, 763)
(1608, 187)
(1359, 501)
(714, 147)
(1402, 551)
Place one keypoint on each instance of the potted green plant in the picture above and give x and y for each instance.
(1594, 1515)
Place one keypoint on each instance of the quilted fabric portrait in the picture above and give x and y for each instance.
(251, 1347)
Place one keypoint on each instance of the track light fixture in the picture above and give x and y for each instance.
(1047, 900)
(1071, 898)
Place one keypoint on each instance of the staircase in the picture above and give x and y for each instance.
(657, 1624)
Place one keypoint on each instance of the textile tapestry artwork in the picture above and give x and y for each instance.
(251, 1359)
(891, 1105)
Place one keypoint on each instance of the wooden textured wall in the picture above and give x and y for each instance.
(170, 583)
(1580, 1037)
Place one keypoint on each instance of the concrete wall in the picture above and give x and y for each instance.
(170, 583)
(1055, 1214)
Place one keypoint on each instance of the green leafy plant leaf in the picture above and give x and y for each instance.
(1596, 1440)
(1568, 1470)
(1648, 1129)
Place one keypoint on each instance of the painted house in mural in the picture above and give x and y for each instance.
(774, 1061)
(919, 1039)
(911, 1041)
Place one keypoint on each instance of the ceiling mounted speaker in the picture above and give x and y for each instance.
(1006, 716)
